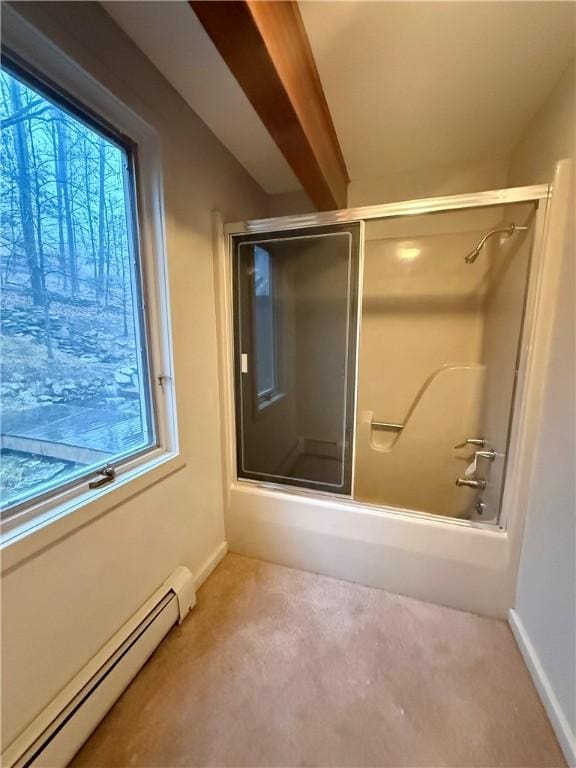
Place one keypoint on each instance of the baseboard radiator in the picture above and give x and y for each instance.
(54, 737)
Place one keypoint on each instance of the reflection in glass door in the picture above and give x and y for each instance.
(295, 317)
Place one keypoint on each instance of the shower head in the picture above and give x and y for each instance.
(471, 257)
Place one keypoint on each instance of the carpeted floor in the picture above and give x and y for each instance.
(276, 667)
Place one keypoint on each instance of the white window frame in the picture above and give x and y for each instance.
(54, 516)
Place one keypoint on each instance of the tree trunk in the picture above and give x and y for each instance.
(47, 326)
(101, 214)
(88, 192)
(25, 199)
(64, 178)
(108, 213)
(59, 197)
(124, 297)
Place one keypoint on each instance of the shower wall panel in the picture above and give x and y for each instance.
(417, 469)
(421, 360)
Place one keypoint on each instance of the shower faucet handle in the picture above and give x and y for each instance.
(472, 441)
(471, 482)
(490, 454)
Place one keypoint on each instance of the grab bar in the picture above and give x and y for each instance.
(387, 425)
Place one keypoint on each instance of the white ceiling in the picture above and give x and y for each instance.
(411, 84)
(170, 34)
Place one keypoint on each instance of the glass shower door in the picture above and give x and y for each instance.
(442, 312)
(295, 325)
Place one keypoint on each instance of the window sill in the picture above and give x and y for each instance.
(266, 402)
(21, 542)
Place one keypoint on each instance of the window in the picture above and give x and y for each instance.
(75, 389)
(264, 326)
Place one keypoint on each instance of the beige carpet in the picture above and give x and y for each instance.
(277, 667)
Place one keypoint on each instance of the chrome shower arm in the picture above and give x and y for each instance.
(509, 230)
(499, 230)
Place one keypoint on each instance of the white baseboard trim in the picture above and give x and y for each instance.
(210, 564)
(59, 730)
(560, 724)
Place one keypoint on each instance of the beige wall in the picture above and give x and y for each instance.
(432, 181)
(546, 594)
(60, 606)
(290, 203)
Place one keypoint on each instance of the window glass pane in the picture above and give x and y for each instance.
(74, 380)
(264, 322)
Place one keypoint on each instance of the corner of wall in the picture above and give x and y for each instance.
(290, 203)
(549, 136)
(562, 728)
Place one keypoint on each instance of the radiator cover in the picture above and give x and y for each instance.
(57, 733)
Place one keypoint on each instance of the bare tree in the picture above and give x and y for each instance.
(63, 223)
(63, 176)
(25, 195)
(101, 214)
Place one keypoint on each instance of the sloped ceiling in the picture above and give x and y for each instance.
(170, 34)
(409, 84)
(412, 84)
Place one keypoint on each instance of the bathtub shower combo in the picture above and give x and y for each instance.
(377, 351)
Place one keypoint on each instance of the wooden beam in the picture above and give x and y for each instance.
(266, 47)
